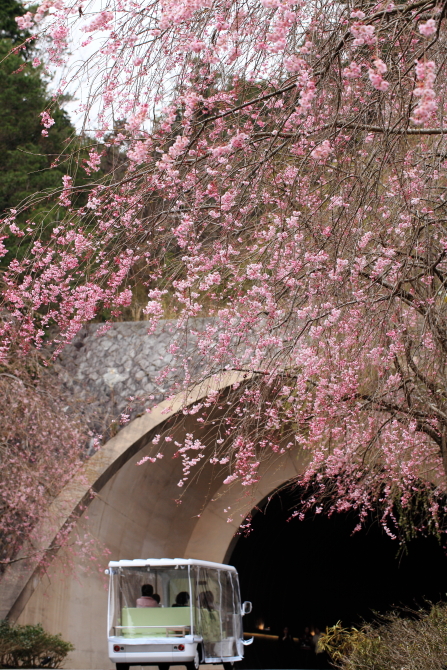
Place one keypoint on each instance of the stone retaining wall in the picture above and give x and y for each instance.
(103, 371)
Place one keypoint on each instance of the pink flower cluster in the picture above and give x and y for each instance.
(322, 151)
(352, 71)
(427, 105)
(26, 21)
(375, 75)
(93, 162)
(428, 28)
(47, 121)
(100, 22)
(363, 34)
(64, 197)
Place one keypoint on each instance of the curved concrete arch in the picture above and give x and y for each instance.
(134, 514)
(93, 476)
(215, 530)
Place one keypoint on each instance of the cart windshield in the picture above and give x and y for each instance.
(149, 602)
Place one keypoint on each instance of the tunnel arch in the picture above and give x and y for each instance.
(132, 515)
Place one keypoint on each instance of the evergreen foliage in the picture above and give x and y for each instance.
(26, 156)
(30, 647)
(9, 9)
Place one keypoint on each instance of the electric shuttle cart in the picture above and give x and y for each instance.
(198, 620)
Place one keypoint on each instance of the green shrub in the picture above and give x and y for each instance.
(417, 641)
(30, 647)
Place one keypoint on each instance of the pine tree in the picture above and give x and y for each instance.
(26, 155)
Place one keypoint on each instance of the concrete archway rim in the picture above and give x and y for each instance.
(18, 582)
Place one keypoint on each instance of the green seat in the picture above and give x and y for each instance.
(166, 621)
(210, 625)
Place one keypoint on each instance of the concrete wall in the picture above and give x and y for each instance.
(134, 515)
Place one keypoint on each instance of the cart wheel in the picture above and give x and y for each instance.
(163, 666)
(194, 665)
(228, 666)
(122, 666)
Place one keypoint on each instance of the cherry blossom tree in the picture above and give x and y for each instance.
(35, 462)
(285, 175)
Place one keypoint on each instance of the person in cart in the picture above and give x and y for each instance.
(146, 599)
(182, 599)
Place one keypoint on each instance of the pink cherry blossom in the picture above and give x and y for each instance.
(375, 75)
(47, 120)
(278, 169)
(323, 150)
(352, 71)
(364, 34)
(428, 28)
(427, 104)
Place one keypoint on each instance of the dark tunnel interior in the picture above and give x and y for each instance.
(316, 572)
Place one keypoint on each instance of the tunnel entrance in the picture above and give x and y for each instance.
(313, 573)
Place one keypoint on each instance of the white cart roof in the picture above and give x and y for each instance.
(168, 562)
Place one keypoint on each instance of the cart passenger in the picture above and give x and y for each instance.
(182, 599)
(146, 599)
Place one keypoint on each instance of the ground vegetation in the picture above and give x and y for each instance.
(414, 640)
(31, 647)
